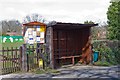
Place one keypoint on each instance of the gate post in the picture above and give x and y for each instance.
(24, 58)
(20, 49)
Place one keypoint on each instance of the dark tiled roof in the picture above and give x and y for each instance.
(60, 25)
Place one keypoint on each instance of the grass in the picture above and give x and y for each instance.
(101, 63)
(15, 44)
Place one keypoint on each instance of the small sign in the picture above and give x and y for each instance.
(40, 63)
(38, 39)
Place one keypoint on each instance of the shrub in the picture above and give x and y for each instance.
(108, 51)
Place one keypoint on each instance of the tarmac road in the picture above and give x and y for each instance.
(71, 72)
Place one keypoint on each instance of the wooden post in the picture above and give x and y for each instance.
(8, 60)
(51, 48)
(38, 51)
(47, 46)
(20, 58)
(24, 58)
(46, 57)
(73, 62)
(33, 57)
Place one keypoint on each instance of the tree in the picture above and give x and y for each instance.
(88, 22)
(94, 30)
(33, 18)
(10, 26)
(113, 15)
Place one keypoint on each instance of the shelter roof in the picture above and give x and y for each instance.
(60, 25)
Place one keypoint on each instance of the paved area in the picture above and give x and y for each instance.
(77, 71)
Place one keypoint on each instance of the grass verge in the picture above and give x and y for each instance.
(43, 71)
(101, 63)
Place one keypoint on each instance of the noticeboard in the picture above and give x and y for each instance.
(35, 34)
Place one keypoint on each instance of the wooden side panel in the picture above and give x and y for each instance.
(62, 42)
(74, 41)
(55, 40)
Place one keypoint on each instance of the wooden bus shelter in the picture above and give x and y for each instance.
(67, 43)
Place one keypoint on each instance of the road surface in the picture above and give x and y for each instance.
(99, 72)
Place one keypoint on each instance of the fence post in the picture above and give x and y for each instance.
(20, 57)
(24, 58)
(1, 63)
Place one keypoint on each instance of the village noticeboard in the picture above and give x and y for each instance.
(34, 33)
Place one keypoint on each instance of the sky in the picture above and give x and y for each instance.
(74, 11)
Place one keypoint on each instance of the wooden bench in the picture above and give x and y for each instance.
(71, 57)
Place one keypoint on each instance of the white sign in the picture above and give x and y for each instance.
(38, 39)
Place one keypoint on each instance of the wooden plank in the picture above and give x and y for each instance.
(64, 57)
(70, 57)
(3, 61)
(12, 58)
(13, 63)
(16, 65)
(7, 56)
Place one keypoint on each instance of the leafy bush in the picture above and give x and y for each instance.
(108, 51)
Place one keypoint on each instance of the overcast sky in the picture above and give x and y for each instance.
(58, 10)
